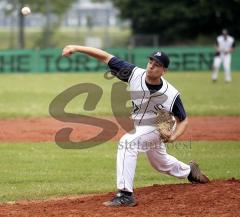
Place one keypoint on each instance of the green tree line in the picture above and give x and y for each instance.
(181, 20)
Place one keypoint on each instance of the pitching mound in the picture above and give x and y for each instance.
(218, 198)
(45, 129)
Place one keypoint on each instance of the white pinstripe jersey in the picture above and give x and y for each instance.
(146, 105)
(225, 44)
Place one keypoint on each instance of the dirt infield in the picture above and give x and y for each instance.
(216, 199)
(44, 129)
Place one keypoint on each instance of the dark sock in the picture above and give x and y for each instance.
(127, 193)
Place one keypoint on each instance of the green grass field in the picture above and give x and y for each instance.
(29, 95)
(42, 170)
(31, 171)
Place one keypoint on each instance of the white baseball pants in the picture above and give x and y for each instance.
(145, 139)
(224, 59)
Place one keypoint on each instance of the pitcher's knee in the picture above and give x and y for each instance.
(160, 164)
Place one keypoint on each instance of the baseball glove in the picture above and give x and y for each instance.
(166, 124)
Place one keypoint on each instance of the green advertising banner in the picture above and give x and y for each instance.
(50, 60)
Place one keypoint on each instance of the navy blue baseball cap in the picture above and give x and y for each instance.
(161, 58)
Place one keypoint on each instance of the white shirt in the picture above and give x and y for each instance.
(224, 45)
(146, 105)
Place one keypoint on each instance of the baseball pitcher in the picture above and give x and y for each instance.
(153, 98)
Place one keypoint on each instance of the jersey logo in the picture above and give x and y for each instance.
(135, 107)
(158, 107)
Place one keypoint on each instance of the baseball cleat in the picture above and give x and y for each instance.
(121, 199)
(196, 176)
